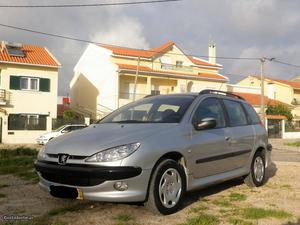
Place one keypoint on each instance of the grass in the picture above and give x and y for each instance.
(202, 219)
(237, 197)
(19, 162)
(294, 144)
(259, 213)
(125, 219)
(4, 185)
(223, 203)
(198, 209)
(236, 221)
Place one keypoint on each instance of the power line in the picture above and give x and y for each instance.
(98, 43)
(285, 63)
(89, 5)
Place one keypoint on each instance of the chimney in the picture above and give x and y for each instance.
(212, 52)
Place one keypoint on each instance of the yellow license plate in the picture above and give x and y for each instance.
(80, 194)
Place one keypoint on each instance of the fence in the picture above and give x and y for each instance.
(56, 123)
(27, 122)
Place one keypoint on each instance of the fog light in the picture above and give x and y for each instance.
(121, 186)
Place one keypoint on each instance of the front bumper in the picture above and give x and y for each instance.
(96, 182)
(268, 155)
(42, 141)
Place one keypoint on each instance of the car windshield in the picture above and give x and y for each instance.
(162, 109)
(58, 129)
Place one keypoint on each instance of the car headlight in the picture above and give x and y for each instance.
(114, 154)
(42, 154)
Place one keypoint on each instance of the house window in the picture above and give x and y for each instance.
(27, 122)
(155, 89)
(179, 64)
(29, 83)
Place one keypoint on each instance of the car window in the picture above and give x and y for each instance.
(169, 109)
(236, 114)
(210, 107)
(254, 118)
(67, 129)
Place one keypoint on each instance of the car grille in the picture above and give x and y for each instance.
(72, 180)
(76, 157)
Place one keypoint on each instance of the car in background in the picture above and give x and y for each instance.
(43, 139)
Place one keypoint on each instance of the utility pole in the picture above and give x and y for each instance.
(136, 78)
(262, 87)
(262, 83)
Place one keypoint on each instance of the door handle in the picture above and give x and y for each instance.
(227, 138)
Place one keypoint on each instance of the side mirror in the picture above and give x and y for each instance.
(205, 123)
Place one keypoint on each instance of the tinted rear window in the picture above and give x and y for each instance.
(252, 114)
(236, 114)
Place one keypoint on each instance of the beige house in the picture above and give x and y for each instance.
(28, 92)
(284, 91)
(108, 77)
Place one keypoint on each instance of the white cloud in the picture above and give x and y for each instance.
(123, 31)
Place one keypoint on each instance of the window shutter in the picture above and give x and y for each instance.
(44, 84)
(14, 83)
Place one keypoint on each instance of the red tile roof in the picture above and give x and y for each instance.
(254, 99)
(147, 69)
(35, 55)
(276, 117)
(293, 84)
(201, 62)
(152, 52)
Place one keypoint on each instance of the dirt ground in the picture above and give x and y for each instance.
(281, 192)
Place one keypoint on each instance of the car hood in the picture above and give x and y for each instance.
(49, 134)
(99, 137)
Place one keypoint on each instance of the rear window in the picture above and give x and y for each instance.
(236, 114)
(254, 118)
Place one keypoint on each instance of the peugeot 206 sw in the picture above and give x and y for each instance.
(156, 149)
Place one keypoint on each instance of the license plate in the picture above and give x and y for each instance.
(80, 194)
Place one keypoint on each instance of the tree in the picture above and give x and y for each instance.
(280, 109)
(71, 116)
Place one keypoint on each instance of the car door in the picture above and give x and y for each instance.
(241, 134)
(208, 146)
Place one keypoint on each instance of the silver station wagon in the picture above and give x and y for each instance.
(156, 149)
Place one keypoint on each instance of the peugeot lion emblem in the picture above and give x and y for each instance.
(62, 159)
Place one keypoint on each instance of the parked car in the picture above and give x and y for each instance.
(156, 149)
(43, 139)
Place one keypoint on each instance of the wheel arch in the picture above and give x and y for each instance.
(174, 155)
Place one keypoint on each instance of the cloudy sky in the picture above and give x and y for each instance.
(241, 28)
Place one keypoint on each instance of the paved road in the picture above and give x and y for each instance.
(283, 152)
(285, 155)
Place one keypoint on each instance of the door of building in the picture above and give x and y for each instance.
(274, 128)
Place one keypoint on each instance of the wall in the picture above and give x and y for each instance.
(29, 102)
(96, 66)
(84, 96)
(283, 93)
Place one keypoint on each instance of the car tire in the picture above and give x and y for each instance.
(257, 175)
(167, 188)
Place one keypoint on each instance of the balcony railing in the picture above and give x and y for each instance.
(165, 66)
(4, 97)
(129, 96)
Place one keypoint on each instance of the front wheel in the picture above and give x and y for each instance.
(256, 177)
(167, 187)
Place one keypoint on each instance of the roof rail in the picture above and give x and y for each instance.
(229, 94)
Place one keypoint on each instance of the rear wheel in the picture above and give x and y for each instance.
(167, 187)
(256, 177)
